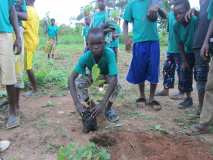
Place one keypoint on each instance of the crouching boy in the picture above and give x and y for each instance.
(80, 81)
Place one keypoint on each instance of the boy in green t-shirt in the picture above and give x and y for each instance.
(52, 32)
(145, 63)
(80, 80)
(85, 30)
(172, 62)
(184, 34)
(114, 44)
(101, 17)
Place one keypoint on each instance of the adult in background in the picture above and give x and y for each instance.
(201, 65)
(206, 116)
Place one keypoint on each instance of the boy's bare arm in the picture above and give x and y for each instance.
(190, 13)
(162, 13)
(22, 15)
(14, 22)
(126, 34)
(73, 92)
(183, 55)
(112, 81)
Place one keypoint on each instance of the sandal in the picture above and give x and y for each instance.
(4, 145)
(112, 115)
(13, 122)
(155, 105)
(141, 100)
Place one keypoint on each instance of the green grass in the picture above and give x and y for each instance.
(87, 152)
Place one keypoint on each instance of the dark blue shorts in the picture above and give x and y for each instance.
(145, 63)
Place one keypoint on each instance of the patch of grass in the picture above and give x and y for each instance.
(187, 120)
(41, 123)
(158, 128)
(87, 152)
(137, 115)
(49, 104)
(52, 148)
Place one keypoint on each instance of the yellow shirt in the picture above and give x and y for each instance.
(31, 29)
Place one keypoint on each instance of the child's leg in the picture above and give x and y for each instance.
(142, 90)
(110, 113)
(187, 81)
(11, 91)
(168, 75)
(29, 70)
(32, 80)
(201, 75)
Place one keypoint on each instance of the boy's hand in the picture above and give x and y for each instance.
(205, 51)
(153, 13)
(98, 109)
(185, 65)
(189, 14)
(17, 47)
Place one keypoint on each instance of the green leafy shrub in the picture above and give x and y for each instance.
(87, 152)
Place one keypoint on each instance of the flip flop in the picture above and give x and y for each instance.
(4, 145)
(155, 105)
(13, 122)
(141, 100)
(112, 115)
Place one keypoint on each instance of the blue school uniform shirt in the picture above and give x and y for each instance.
(52, 31)
(99, 19)
(143, 29)
(5, 25)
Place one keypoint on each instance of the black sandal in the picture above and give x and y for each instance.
(155, 105)
(141, 100)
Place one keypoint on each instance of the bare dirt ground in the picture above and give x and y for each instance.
(48, 122)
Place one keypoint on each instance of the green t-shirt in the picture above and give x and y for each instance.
(210, 10)
(5, 25)
(99, 18)
(107, 63)
(21, 7)
(85, 31)
(115, 42)
(143, 29)
(185, 34)
(172, 43)
(52, 31)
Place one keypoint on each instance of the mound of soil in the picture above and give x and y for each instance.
(143, 146)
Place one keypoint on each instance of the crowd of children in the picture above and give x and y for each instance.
(189, 31)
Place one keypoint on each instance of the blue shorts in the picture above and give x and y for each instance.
(145, 63)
